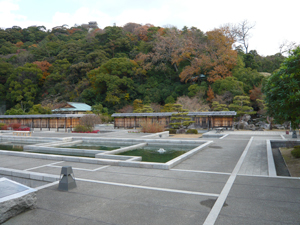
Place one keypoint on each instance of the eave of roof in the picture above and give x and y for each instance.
(42, 116)
(165, 114)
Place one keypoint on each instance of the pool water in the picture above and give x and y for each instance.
(93, 147)
(152, 155)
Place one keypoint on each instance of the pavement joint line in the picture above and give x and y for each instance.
(150, 188)
(46, 185)
(224, 136)
(76, 168)
(282, 136)
(201, 171)
(216, 209)
(252, 175)
(37, 167)
(102, 167)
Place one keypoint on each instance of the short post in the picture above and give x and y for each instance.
(67, 181)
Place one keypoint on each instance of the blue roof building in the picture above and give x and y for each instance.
(73, 108)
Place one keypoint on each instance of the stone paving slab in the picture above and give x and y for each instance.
(256, 162)
(114, 205)
(15, 162)
(78, 165)
(150, 196)
(185, 184)
(218, 157)
(253, 199)
(41, 216)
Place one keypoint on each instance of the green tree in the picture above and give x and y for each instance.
(248, 76)
(180, 119)
(241, 104)
(16, 110)
(112, 81)
(97, 109)
(282, 90)
(39, 109)
(23, 85)
(216, 106)
(230, 84)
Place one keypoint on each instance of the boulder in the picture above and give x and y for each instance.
(180, 131)
(251, 127)
(246, 117)
(15, 198)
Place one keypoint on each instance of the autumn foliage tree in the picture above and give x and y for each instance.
(210, 94)
(215, 58)
(44, 66)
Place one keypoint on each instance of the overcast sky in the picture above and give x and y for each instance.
(275, 20)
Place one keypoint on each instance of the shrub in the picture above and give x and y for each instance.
(3, 126)
(192, 131)
(82, 128)
(89, 121)
(23, 129)
(296, 152)
(149, 127)
(15, 126)
(90, 132)
(171, 131)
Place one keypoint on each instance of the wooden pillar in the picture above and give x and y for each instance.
(65, 124)
(135, 122)
(56, 124)
(71, 123)
(124, 122)
(40, 123)
(32, 124)
(208, 121)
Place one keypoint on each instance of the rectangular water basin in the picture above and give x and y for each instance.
(152, 153)
(94, 146)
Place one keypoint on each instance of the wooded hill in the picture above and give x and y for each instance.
(119, 66)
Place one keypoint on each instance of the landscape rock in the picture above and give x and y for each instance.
(15, 206)
(180, 131)
(246, 117)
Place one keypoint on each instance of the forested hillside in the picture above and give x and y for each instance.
(125, 67)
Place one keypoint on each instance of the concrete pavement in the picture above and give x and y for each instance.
(226, 183)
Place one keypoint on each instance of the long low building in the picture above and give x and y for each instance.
(58, 121)
(203, 120)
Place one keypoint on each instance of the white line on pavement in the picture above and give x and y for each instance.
(76, 168)
(150, 188)
(44, 165)
(201, 171)
(224, 136)
(215, 211)
(46, 185)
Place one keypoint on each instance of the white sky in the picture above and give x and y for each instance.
(276, 21)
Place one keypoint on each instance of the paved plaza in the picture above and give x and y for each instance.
(226, 183)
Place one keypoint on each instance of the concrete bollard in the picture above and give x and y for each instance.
(67, 181)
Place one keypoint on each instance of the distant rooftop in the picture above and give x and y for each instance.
(73, 107)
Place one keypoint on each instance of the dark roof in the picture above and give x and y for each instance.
(42, 116)
(165, 114)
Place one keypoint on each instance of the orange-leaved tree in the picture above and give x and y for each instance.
(214, 58)
(44, 66)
